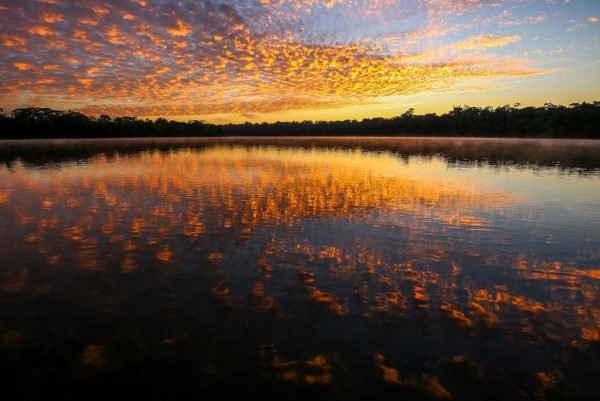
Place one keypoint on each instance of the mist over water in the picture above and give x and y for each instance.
(345, 268)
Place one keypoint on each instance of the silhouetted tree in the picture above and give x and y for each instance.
(37, 122)
(578, 120)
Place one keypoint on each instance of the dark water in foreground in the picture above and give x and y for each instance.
(228, 269)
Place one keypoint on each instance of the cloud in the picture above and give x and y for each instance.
(210, 57)
(180, 29)
(482, 42)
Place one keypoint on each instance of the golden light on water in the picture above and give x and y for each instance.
(260, 185)
(149, 208)
(354, 266)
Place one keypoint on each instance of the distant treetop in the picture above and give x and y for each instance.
(577, 120)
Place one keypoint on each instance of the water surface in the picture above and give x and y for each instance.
(341, 268)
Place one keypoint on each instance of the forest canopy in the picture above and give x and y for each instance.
(577, 120)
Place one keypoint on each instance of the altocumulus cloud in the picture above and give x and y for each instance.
(168, 57)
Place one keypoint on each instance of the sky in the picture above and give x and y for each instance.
(270, 60)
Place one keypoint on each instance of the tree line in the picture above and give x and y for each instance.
(41, 122)
(577, 120)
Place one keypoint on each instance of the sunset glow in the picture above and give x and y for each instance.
(268, 60)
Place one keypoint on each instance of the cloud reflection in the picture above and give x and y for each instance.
(405, 244)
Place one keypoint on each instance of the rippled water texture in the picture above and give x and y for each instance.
(338, 268)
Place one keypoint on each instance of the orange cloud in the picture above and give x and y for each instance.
(51, 17)
(482, 42)
(181, 58)
(41, 30)
(180, 29)
(23, 66)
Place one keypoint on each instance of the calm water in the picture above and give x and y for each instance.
(329, 268)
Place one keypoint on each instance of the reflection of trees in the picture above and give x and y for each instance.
(563, 154)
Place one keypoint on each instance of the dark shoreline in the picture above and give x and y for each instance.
(576, 121)
(581, 154)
